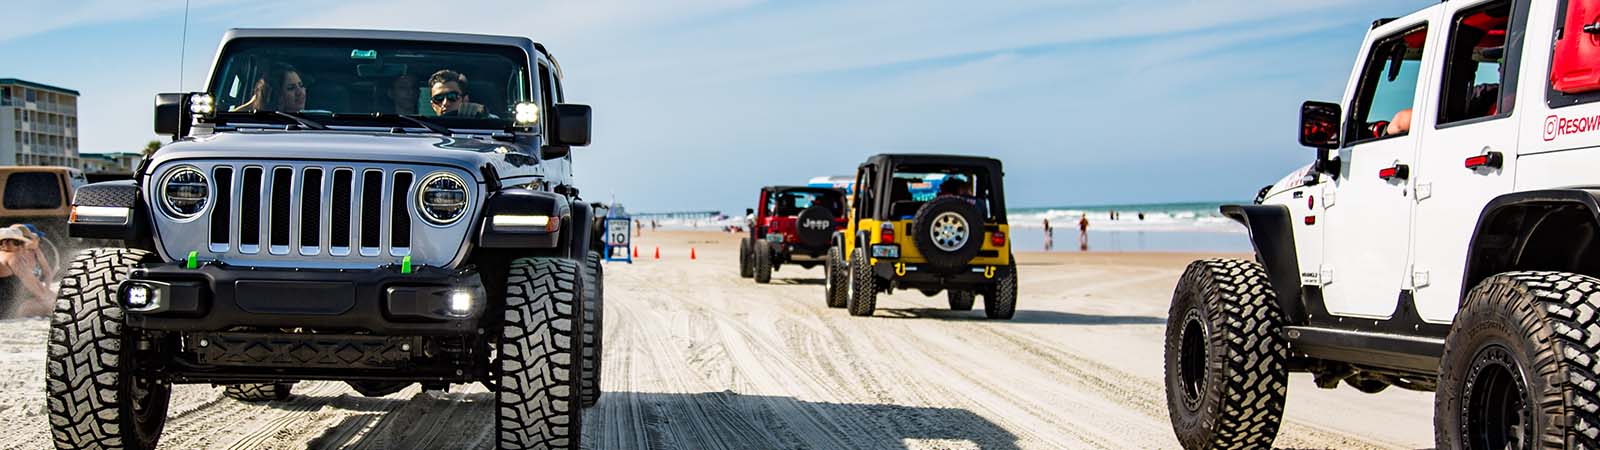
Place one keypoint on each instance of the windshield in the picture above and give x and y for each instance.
(457, 85)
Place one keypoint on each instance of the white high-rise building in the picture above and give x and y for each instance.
(38, 124)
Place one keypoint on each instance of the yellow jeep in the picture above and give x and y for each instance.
(930, 223)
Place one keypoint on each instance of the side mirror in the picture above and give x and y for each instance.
(172, 114)
(571, 125)
(1319, 125)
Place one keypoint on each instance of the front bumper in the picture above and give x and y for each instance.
(383, 301)
(903, 275)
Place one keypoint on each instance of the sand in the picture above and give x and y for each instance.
(698, 358)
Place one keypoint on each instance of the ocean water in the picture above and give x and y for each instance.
(1164, 227)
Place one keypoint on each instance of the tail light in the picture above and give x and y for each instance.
(997, 239)
(886, 233)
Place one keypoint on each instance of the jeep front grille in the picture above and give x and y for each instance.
(283, 217)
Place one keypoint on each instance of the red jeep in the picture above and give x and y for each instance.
(791, 224)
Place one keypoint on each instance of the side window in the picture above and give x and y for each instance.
(863, 193)
(1479, 75)
(546, 102)
(32, 190)
(1575, 60)
(1388, 87)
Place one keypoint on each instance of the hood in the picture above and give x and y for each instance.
(470, 154)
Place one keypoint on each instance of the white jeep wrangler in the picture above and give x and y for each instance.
(1446, 239)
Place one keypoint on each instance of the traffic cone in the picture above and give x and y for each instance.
(636, 252)
(691, 253)
(658, 252)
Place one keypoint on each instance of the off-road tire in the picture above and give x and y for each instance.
(960, 300)
(814, 238)
(93, 398)
(863, 296)
(258, 392)
(1000, 301)
(1530, 336)
(593, 317)
(763, 262)
(746, 269)
(835, 279)
(922, 235)
(1225, 375)
(537, 365)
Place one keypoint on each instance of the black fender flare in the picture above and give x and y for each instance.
(1509, 222)
(111, 194)
(1272, 234)
(582, 226)
(522, 201)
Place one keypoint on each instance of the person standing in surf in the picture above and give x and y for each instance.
(1083, 232)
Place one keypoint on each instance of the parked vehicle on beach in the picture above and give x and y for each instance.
(1441, 241)
(38, 195)
(791, 225)
(409, 217)
(926, 222)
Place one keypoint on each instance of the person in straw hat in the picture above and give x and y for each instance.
(22, 292)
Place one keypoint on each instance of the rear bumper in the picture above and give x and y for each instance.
(382, 301)
(903, 275)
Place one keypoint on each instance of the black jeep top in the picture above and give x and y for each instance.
(893, 186)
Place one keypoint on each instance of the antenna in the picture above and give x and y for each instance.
(183, 45)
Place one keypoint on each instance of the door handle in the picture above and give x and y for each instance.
(1398, 171)
(1491, 160)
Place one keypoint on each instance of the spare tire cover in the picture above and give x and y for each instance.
(948, 232)
(814, 227)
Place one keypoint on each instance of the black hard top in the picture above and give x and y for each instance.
(819, 190)
(933, 159)
(525, 44)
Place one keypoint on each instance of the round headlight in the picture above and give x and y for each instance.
(442, 198)
(184, 192)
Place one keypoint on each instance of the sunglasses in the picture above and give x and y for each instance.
(451, 96)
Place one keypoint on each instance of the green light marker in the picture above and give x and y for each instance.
(193, 261)
(405, 264)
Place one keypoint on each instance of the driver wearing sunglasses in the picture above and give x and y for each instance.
(448, 95)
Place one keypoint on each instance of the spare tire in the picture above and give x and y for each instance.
(948, 231)
(814, 227)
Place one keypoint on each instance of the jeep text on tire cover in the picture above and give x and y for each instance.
(1438, 242)
(409, 218)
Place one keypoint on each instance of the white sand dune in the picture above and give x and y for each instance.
(697, 358)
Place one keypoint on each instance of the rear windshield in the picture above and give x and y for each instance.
(911, 186)
(32, 190)
(790, 203)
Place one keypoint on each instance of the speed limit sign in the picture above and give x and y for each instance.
(618, 232)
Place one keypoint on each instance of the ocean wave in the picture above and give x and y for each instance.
(1183, 217)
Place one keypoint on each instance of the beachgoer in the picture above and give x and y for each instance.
(279, 89)
(25, 293)
(1141, 215)
(1083, 232)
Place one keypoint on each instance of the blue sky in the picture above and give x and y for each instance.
(699, 103)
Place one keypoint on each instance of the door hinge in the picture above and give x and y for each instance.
(1325, 275)
(1328, 196)
(1424, 190)
(1419, 278)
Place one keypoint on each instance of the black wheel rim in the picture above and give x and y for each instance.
(147, 396)
(1192, 360)
(1496, 411)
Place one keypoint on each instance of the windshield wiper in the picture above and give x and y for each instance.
(416, 120)
(298, 120)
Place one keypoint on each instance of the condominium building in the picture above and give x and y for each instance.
(38, 124)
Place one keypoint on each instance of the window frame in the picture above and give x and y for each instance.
(1510, 70)
(1553, 98)
(1362, 85)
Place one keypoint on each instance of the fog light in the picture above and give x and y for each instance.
(460, 304)
(141, 297)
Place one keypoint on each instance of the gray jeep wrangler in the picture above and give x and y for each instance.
(381, 208)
